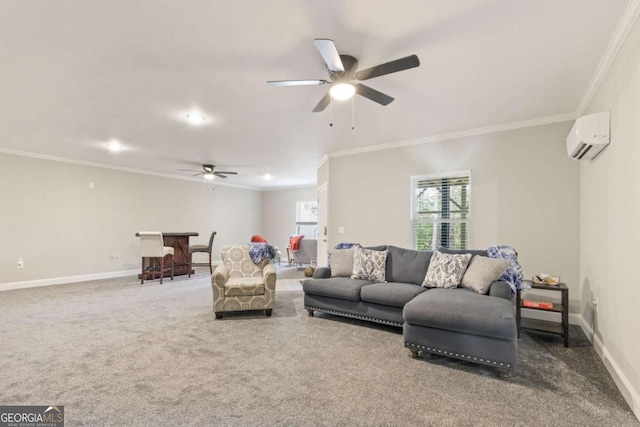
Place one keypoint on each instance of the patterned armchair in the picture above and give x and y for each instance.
(239, 284)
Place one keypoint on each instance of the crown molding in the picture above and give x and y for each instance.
(291, 187)
(615, 44)
(117, 168)
(461, 134)
(322, 161)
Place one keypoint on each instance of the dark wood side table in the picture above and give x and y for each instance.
(560, 328)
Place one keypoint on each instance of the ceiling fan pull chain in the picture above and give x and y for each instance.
(353, 113)
(331, 112)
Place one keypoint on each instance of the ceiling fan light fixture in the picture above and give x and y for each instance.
(114, 146)
(195, 118)
(342, 91)
(209, 176)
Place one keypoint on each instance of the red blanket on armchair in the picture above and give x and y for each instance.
(294, 243)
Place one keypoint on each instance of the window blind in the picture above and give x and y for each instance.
(440, 210)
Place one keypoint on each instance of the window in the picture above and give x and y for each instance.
(440, 210)
(307, 219)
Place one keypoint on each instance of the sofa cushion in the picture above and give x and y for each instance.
(407, 265)
(392, 293)
(446, 270)
(244, 286)
(369, 265)
(463, 311)
(482, 272)
(335, 287)
(341, 261)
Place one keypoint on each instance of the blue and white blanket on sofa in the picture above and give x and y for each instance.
(346, 245)
(513, 276)
(259, 251)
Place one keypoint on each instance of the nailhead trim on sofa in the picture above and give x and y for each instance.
(355, 316)
(458, 355)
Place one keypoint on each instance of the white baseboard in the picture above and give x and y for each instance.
(623, 384)
(580, 321)
(626, 389)
(68, 279)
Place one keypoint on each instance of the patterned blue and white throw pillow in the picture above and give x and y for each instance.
(369, 265)
(446, 270)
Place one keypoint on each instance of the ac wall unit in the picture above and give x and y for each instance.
(589, 135)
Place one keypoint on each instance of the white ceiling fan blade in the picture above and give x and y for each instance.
(330, 54)
(297, 82)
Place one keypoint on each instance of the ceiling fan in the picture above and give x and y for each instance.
(209, 172)
(342, 73)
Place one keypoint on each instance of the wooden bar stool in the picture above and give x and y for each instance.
(152, 246)
(201, 248)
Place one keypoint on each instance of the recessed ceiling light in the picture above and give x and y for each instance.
(267, 177)
(195, 118)
(114, 146)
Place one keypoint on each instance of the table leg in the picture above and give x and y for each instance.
(518, 310)
(565, 316)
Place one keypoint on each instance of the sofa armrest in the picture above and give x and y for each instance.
(322, 273)
(269, 277)
(501, 290)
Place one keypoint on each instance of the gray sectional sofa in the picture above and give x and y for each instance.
(457, 323)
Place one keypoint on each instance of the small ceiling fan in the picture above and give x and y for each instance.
(209, 172)
(342, 73)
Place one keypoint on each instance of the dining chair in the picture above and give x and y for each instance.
(152, 246)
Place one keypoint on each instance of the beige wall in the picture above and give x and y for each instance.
(61, 228)
(524, 194)
(279, 214)
(609, 229)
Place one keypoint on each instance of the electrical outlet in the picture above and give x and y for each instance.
(595, 304)
(20, 264)
(341, 230)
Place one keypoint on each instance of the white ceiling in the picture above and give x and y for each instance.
(76, 74)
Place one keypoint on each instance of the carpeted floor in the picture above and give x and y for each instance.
(285, 271)
(117, 353)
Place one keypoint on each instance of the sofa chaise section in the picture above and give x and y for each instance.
(463, 325)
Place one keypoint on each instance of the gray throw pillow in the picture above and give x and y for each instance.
(446, 270)
(341, 262)
(369, 265)
(483, 271)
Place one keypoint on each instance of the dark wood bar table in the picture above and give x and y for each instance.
(179, 241)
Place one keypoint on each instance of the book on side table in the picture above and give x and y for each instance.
(537, 304)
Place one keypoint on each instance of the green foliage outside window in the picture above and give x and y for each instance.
(441, 213)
